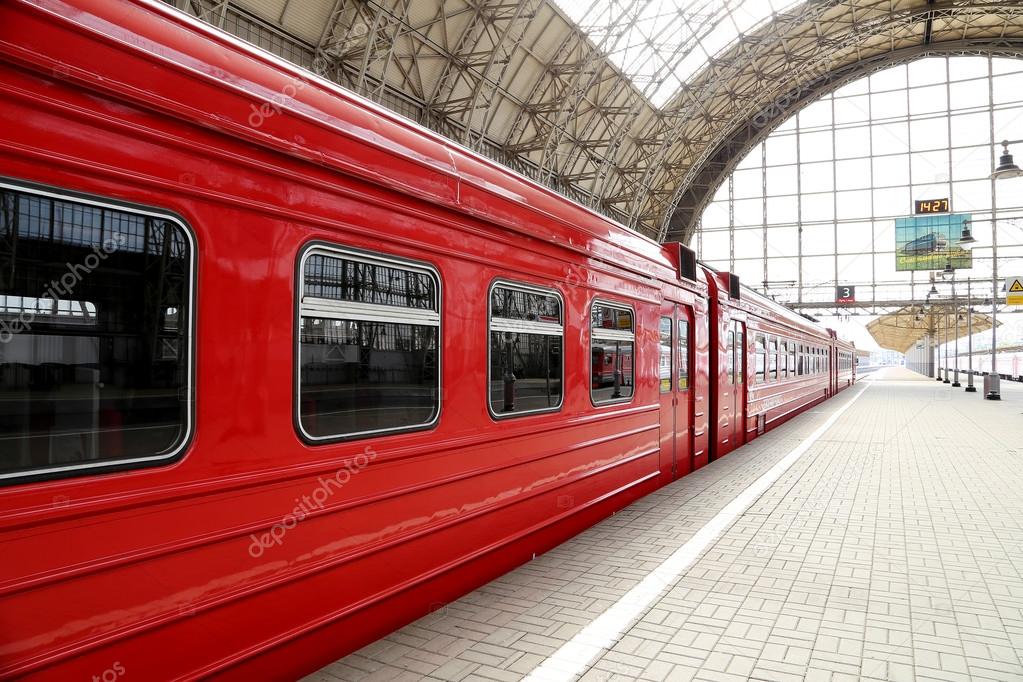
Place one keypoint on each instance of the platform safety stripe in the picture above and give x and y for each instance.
(572, 659)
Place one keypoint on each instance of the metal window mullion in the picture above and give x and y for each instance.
(334, 310)
(612, 335)
(499, 324)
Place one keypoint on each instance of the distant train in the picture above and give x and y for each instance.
(929, 243)
(270, 389)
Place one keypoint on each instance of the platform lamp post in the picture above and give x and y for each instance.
(1006, 169)
(955, 320)
(944, 309)
(948, 272)
(970, 388)
(936, 355)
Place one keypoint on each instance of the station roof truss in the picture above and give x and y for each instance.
(520, 82)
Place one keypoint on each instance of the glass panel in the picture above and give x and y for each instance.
(525, 372)
(530, 306)
(683, 355)
(773, 360)
(612, 363)
(740, 357)
(853, 174)
(342, 279)
(94, 333)
(359, 377)
(761, 366)
(606, 317)
(815, 146)
(730, 357)
(664, 366)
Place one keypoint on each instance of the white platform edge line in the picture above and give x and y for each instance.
(572, 659)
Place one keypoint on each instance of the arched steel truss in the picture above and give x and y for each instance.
(520, 82)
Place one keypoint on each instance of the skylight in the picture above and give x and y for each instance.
(660, 44)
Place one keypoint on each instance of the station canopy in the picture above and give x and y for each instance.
(900, 331)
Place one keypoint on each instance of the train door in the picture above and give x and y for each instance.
(675, 348)
(666, 387)
(738, 380)
(832, 371)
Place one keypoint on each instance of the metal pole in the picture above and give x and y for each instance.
(937, 346)
(994, 390)
(970, 388)
(944, 309)
(955, 320)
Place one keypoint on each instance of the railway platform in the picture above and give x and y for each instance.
(878, 536)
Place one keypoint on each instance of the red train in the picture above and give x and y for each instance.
(272, 386)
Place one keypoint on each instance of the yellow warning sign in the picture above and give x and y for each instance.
(1014, 291)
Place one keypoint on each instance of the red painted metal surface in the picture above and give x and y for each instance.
(160, 572)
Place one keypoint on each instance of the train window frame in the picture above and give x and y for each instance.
(330, 309)
(611, 335)
(522, 326)
(176, 452)
(783, 359)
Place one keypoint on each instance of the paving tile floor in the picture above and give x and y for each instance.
(891, 550)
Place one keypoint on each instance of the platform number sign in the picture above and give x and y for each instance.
(1014, 291)
(845, 294)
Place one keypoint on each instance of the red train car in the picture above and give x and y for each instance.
(281, 371)
(770, 362)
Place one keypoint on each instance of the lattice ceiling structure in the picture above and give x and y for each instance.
(642, 108)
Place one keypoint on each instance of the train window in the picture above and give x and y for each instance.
(730, 356)
(783, 359)
(612, 344)
(761, 359)
(96, 347)
(526, 340)
(773, 360)
(368, 344)
(740, 355)
(664, 365)
(683, 355)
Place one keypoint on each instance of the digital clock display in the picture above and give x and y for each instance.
(933, 206)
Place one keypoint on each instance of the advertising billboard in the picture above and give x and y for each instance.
(928, 242)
